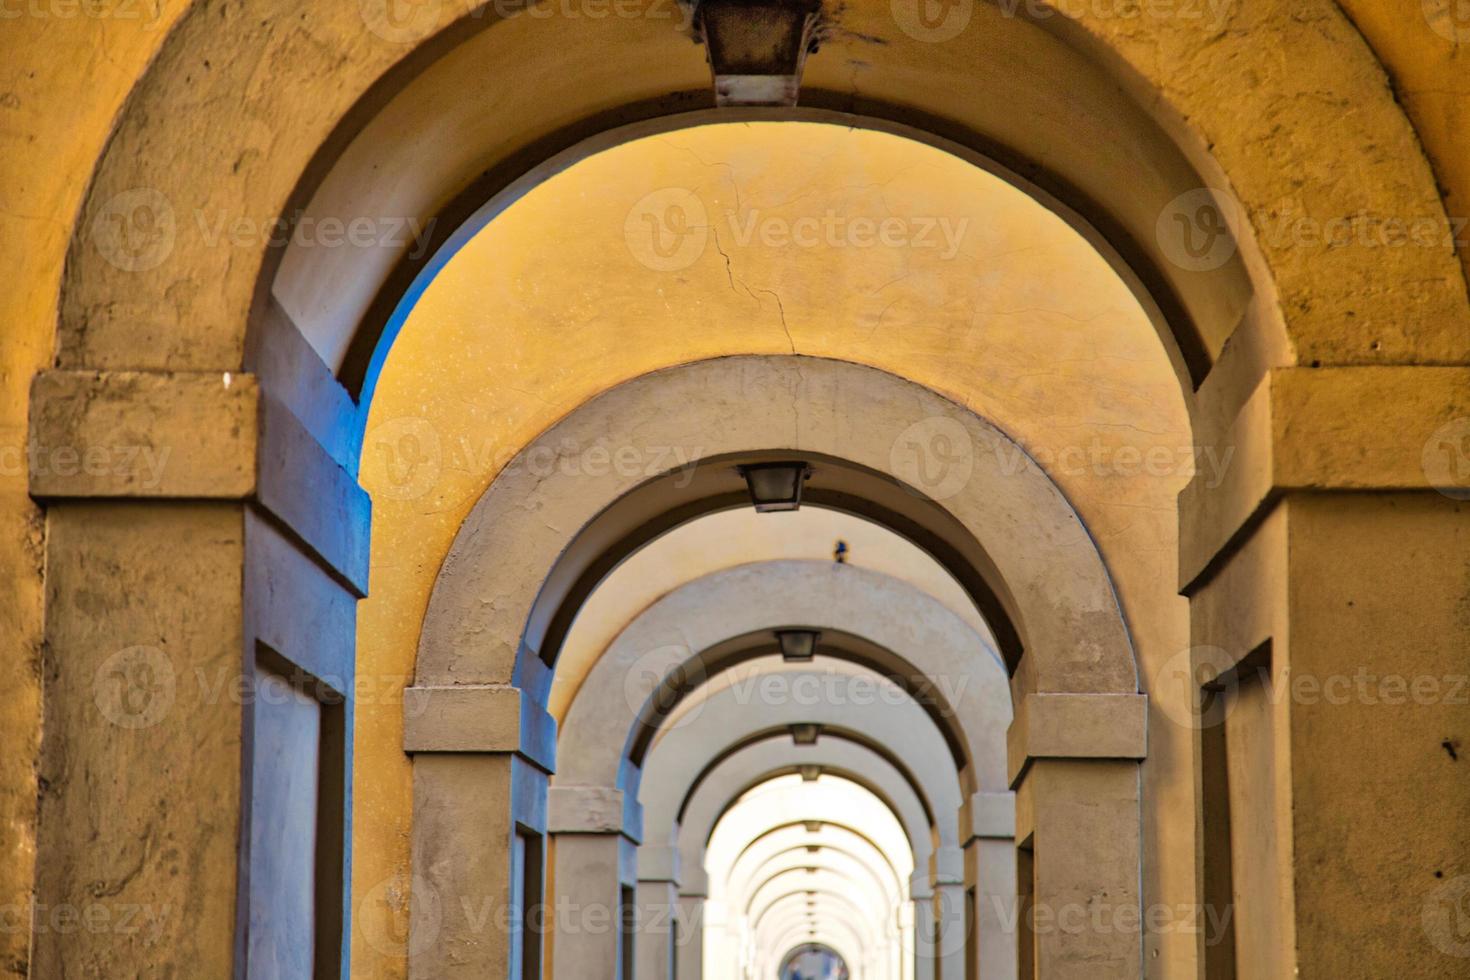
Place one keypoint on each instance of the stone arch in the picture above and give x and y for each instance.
(645, 69)
(509, 586)
(760, 860)
(903, 739)
(699, 807)
(740, 608)
(687, 815)
(1005, 531)
(934, 787)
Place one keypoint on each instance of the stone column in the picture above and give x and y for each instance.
(205, 548)
(689, 954)
(921, 894)
(989, 819)
(1074, 763)
(940, 942)
(593, 861)
(659, 908)
(481, 754)
(1328, 574)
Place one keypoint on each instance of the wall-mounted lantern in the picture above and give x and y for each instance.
(757, 48)
(805, 733)
(775, 486)
(798, 646)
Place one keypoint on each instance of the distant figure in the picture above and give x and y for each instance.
(840, 555)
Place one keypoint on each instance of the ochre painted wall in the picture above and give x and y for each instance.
(65, 70)
(987, 298)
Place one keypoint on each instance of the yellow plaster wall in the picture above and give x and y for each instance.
(65, 69)
(564, 295)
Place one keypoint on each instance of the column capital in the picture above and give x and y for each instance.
(1305, 429)
(988, 816)
(478, 718)
(195, 436)
(1076, 726)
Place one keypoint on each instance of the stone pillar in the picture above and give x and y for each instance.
(990, 876)
(205, 549)
(481, 754)
(921, 894)
(593, 862)
(1074, 764)
(660, 933)
(689, 955)
(1329, 580)
(940, 942)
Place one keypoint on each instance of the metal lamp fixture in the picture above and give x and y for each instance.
(757, 48)
(805, 733)
(775, 486)
(798, 646)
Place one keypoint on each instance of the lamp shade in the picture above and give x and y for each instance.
(775, 486)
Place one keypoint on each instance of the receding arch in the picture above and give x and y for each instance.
(1006, 530)
(761, 861)
(714, 623)
(645, 69)
(720, 786)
